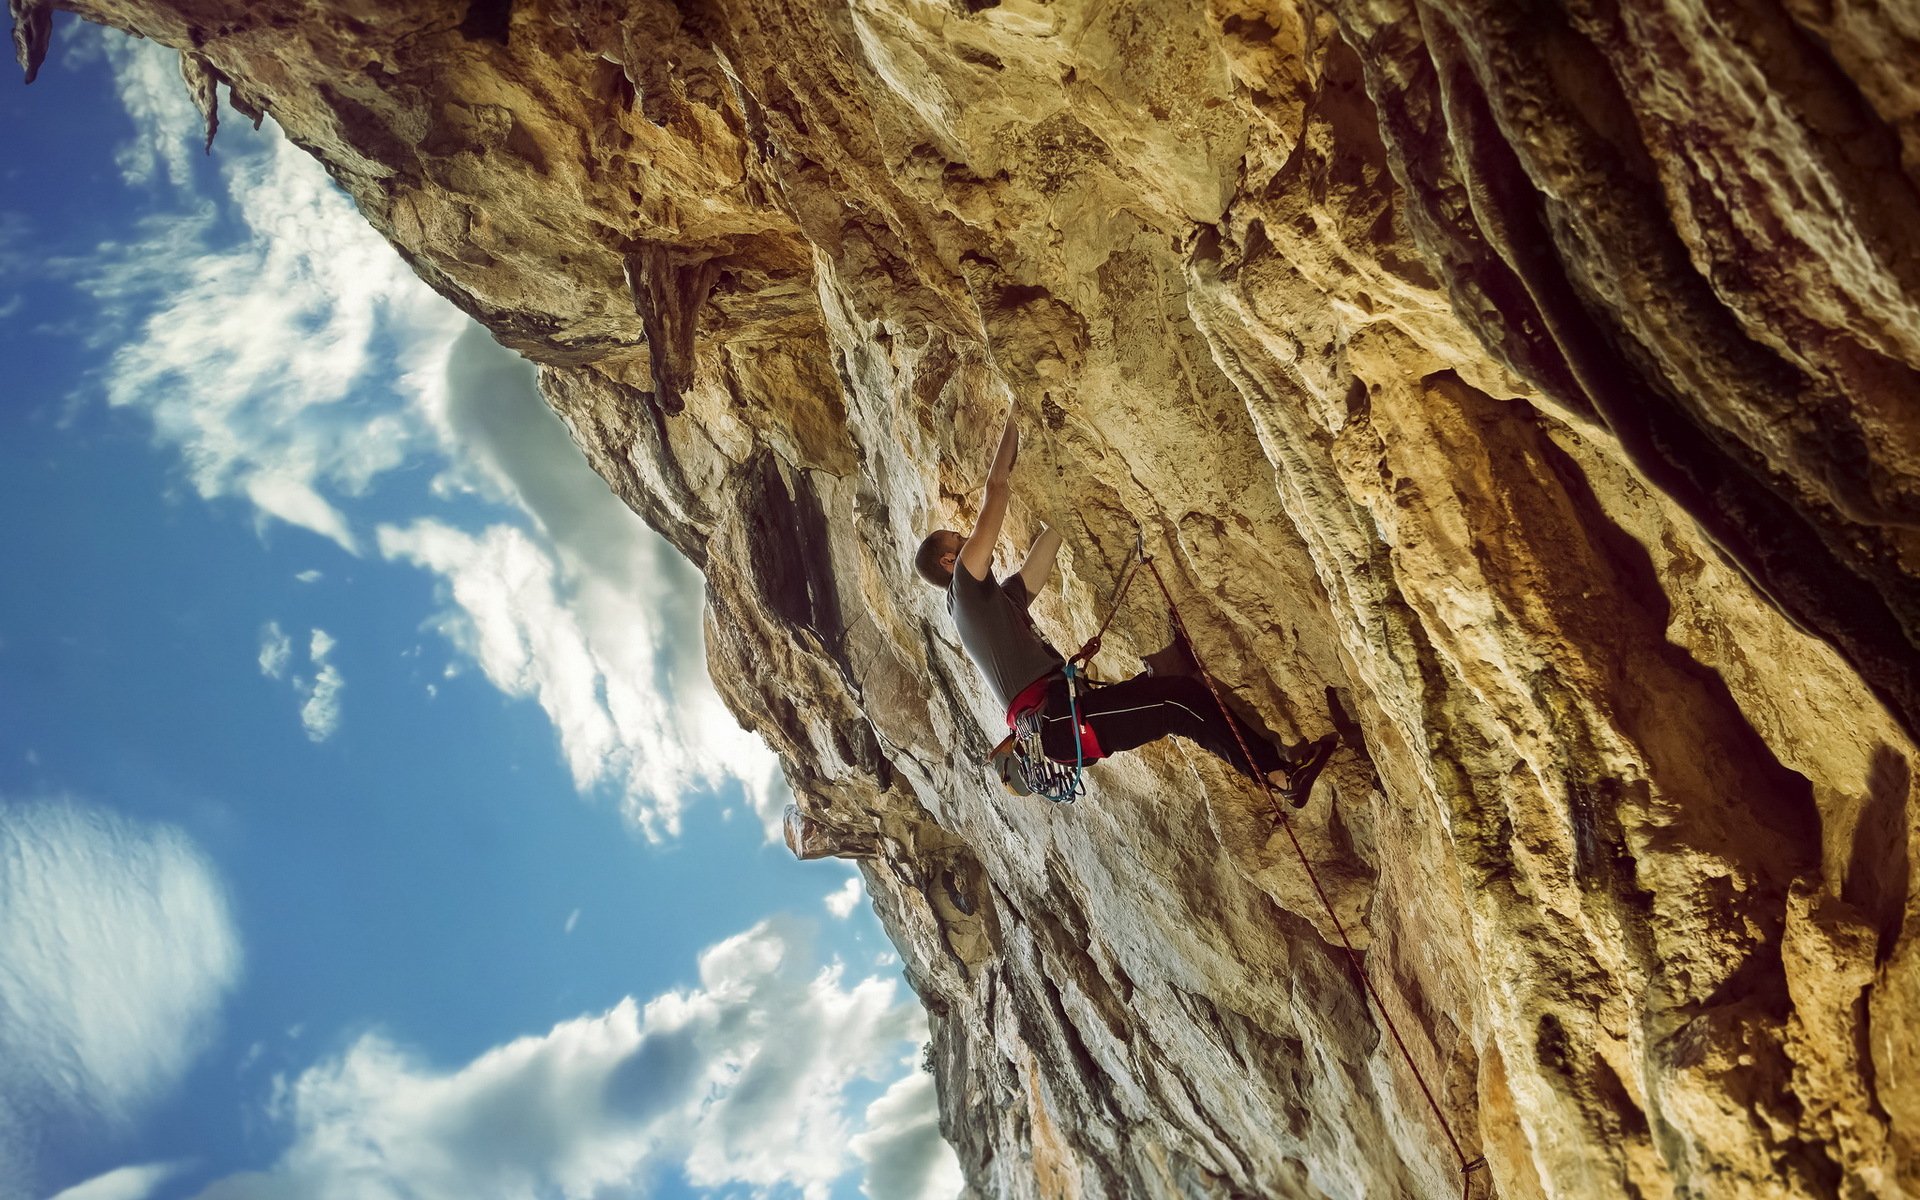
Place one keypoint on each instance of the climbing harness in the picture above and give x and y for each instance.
(1021, 759)
(1467, 1165)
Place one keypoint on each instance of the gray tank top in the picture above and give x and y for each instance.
(998, 635)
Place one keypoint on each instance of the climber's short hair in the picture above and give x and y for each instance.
(926, 560)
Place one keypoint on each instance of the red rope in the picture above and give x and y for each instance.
(1467, 1166)
(1135, 557)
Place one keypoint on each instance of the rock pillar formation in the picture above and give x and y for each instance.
(1527, 389)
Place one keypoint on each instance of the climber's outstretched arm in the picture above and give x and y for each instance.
(1039, 563)
(977, 554)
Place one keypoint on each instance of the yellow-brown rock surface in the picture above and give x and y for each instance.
(1527, 388)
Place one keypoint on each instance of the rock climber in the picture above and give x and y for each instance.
(1027, 674)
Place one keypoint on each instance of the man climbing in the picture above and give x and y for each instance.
(1027, 675)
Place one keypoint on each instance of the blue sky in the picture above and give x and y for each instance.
(367, 825)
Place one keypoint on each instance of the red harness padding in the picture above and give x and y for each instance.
(1032, 697)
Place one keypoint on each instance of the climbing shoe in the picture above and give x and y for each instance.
(1302, 766)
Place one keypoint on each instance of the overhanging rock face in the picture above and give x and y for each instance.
(1529, 388)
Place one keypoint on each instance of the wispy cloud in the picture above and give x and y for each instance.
(320, 691)
(654, 727)
(741, 1081)
(276, 651)
(842, 902)
(116, 951)
(320, 715)
(123, 1183)
(572, 639)
(255, 358)
(296, 368)
(16, 236)
(166, 124)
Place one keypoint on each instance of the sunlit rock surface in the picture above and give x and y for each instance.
(1528, 389)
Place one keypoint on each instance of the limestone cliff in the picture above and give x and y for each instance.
(1528, 389)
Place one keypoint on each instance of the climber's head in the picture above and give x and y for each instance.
(934, 560)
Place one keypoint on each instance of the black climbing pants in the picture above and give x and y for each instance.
(1147, 707)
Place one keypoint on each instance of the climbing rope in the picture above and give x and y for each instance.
(1467, 1166)
(1061, 784)
(1128, 570)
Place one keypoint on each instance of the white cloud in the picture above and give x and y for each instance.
(320, 715)
(636, 604)
(572, 637)
(842, 902)
(740, 1081)
(123, 1183)
(276, 650)
(906, 1158)
(279, 493)
(309, 576)
(294, 368)
(259, 360)
(573, 918)
(168, 130)
(116, 950)
(320, 692)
